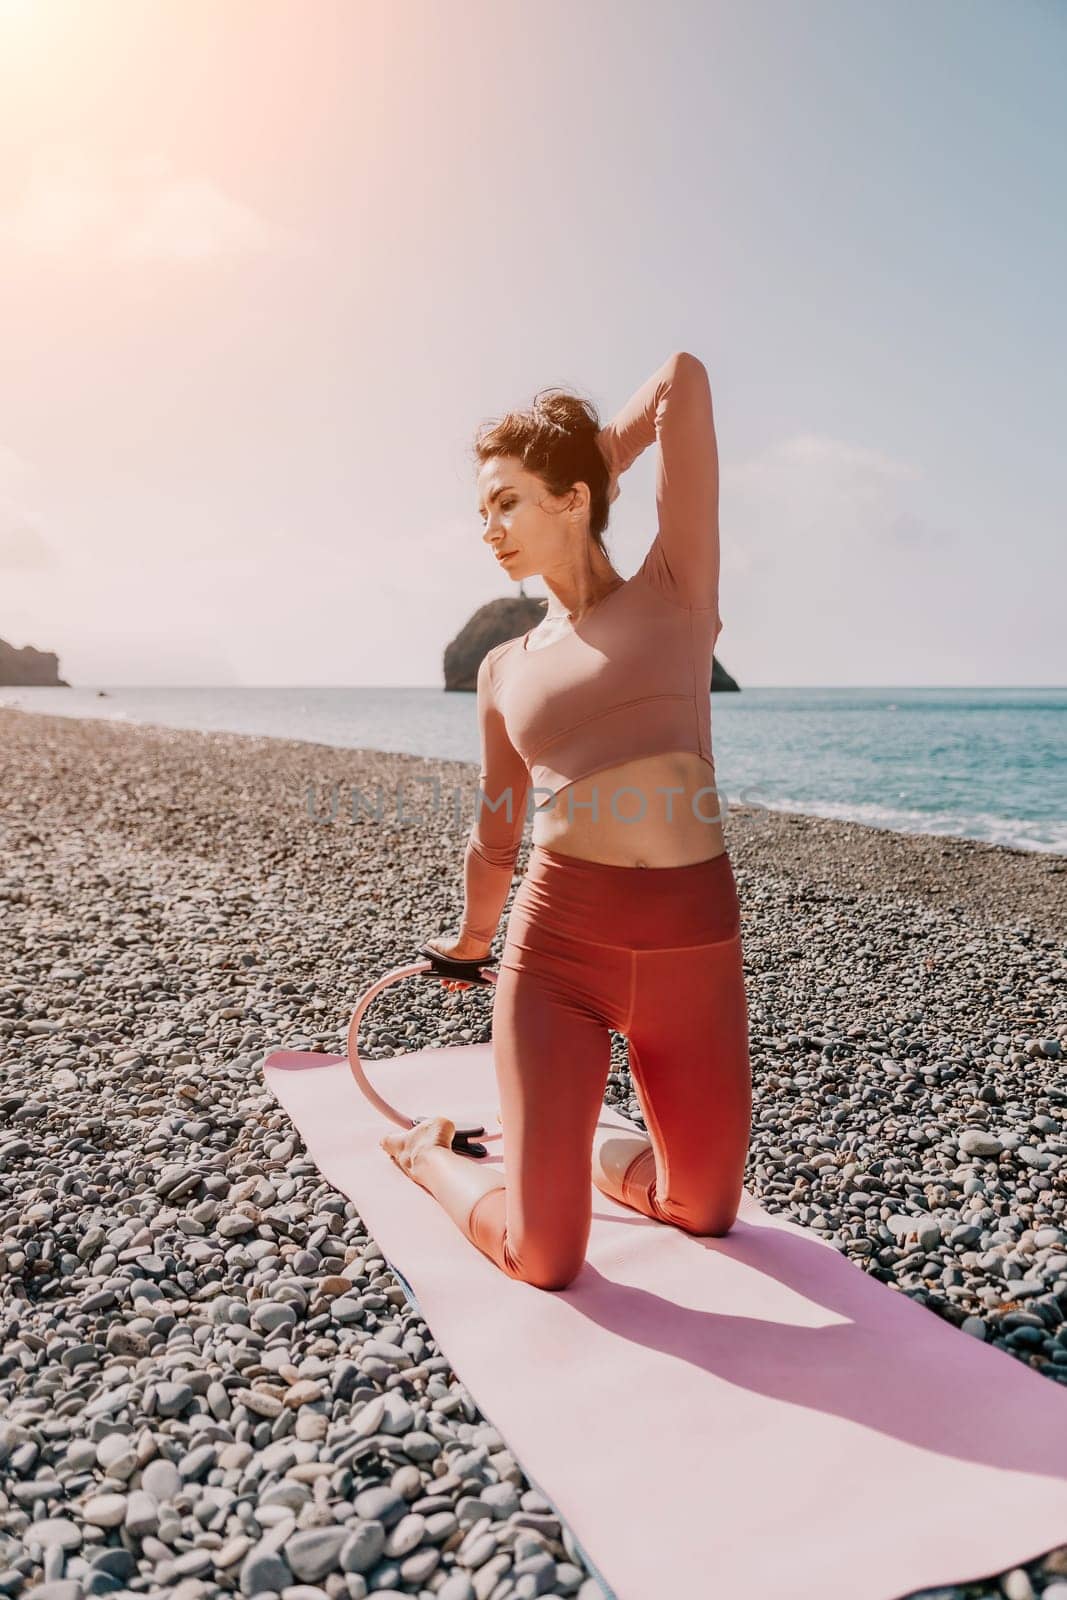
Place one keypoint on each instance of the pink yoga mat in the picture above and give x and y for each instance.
(750, 1415)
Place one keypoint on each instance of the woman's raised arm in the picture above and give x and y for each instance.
(674, 408)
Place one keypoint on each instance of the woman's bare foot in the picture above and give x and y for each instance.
(406, 1148)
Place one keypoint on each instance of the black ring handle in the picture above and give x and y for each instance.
(449, 967)
(463, 1141)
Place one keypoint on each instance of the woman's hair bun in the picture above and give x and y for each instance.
(565, 411)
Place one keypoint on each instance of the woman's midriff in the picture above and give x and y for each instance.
(646, 828)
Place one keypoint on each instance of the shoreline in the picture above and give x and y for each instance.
(1045, 836)
(995, 882)
(169, 912)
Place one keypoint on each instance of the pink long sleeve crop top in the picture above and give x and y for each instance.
(633, 676)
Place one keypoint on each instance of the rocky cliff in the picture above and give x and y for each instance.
(490, 625)
(29, 668)
(504, 619)
(721, 679)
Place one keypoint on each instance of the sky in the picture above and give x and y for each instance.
(265, 267)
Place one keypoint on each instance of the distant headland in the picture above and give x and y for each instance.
(29, 668)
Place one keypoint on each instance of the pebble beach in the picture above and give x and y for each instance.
(211, 1382)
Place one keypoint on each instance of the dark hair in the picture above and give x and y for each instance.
(557, 440)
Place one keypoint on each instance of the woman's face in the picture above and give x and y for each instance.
(523, 525)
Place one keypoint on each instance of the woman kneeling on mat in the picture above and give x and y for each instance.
(627, 917)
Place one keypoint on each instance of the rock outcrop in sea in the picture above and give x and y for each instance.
(507, 618)
(29, 668)
(490, 625)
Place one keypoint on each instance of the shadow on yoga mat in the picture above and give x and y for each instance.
(751, 1412)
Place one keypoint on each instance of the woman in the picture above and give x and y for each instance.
(627, 917)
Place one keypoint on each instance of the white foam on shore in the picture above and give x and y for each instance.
(1022, 833)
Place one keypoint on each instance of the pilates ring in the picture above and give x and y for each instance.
(435, 966)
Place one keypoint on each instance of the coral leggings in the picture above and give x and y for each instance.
(653, 953)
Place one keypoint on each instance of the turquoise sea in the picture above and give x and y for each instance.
(975, 763)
